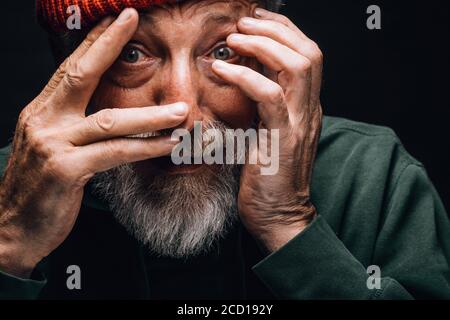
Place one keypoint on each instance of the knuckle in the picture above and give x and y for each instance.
(59, 74)
(53, 84)
(24, 117)
(27, 128)
(89, 40)
(39, 142)
(275, 95)
(302, 66)
(316, 53)
(111, 150)
(104, 119)
(67, 64)
(284, 20)
(76, 75)
(319, 58)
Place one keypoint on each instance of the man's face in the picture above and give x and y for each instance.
(178, 211)
(169, 60)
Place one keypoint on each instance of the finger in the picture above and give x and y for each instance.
(261, 13)
(270, 53)
(91, 37)
(105, 155)
(111, 123)
(268, 94)
(272, 29)
(284, 35)
(79, 51)
(83, 75)
(294, 70)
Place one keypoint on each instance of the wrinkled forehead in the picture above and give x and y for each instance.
(193, 15)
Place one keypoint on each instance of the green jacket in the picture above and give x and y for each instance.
(376, 206)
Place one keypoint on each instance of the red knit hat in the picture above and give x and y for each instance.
(52, 14)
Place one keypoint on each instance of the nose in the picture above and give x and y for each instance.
(178, 84)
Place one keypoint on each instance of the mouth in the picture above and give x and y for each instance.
(166, 165)
(165, 132)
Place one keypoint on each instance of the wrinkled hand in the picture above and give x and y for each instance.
(278, 207)
(57, 149)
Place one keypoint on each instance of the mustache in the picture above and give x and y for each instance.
(211, 130)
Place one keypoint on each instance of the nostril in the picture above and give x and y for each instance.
(158, 98)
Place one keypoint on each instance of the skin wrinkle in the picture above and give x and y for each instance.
(178, 217)
(212, 21)
(182, 215)
(58, 147)
(156, 34)
(178, 45)
(186, 11)
(63, 44)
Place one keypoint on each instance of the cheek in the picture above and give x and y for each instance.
(224, 103)
(109, 95)
(231, 106)
(229, 103)
(216, 99)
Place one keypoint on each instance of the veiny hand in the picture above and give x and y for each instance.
(276, 208)
(57, 149)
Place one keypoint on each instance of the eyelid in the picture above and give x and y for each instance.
(218, 45)
(138, 46)
(235, 58)
(221, 44)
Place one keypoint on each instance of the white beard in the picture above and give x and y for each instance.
(174, 216)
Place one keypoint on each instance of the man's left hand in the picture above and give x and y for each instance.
(277, 208)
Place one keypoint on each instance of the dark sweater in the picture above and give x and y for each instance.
(376, 206)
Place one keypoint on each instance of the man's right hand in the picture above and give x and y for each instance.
(57, 149)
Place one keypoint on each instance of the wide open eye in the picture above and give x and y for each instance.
(223, 53)
(131, 54)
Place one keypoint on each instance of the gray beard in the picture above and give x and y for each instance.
(174, 216)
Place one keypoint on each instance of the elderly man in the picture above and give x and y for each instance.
(92, 205)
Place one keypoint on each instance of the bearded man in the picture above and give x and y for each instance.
(89, 186)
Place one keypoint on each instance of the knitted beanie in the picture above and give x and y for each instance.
(53, 14)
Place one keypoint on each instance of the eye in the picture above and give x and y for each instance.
(223, 53)
(131, 54)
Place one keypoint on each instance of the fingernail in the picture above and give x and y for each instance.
(259, 12)
(125, 15)
(220, 65)
(179, 109)
(248, 21)
(236, 38)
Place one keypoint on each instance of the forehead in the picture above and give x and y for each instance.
(195, 14)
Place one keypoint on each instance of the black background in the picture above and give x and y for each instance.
(397, 76)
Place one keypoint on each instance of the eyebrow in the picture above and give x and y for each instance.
(216, 18)
(210, 19)
(147, 17)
